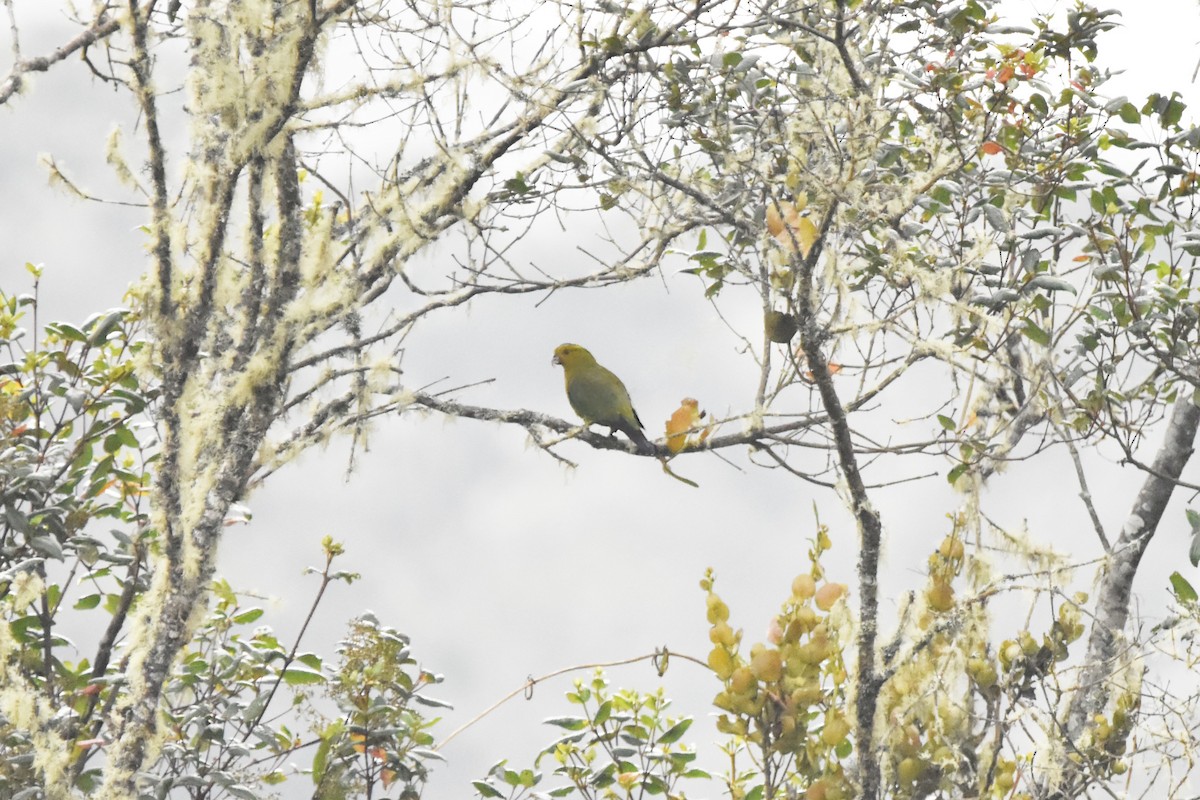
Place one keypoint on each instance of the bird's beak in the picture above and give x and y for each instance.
(555, 361)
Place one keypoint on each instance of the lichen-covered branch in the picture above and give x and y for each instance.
(103, 26)
(1115, 592)
(250, 272)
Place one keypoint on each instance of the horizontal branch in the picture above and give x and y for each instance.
(100, 28)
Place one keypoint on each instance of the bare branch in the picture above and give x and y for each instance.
(101, 28)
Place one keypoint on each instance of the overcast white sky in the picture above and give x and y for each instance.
(498, 562)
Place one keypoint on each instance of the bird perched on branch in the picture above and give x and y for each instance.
(598, 396)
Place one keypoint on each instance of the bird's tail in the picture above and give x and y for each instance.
(644, 445)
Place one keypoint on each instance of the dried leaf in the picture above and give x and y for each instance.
(683, 428)
(789, 228)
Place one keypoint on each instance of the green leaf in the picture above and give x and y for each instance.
(947, 423)
(66, 331)
(955, 473)
(995, 217)
(1183, 590)
(1051, 283)
(1130, 114)
(321, 757)
(297, 676)
(429, 753)
(517, 184)
(134, 402)
(635, 734)
(311, 660)
(248, 616)
(254, 710)
(1035, 333)
(87, 602)
(22, 628)
(677, 730)
(101, 326)
(47, 546)
(567, 723)
(431, 702)
(1194, 550)
(17, 521)
(485, 789)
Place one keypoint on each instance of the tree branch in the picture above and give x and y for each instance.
(1116, 580)
(102, 27)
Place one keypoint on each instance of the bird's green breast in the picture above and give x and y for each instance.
(598, 396)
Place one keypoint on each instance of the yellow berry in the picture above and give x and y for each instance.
(806, 618)
(836, 728)
(803, 586)
(940, 596)
(722, 634)
(952, 548)
(717, 610)
(742, 680)
(829, 594)
(910, 769)
(721, 662)
(767, 665)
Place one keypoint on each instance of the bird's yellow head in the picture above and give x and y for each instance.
(572, 355)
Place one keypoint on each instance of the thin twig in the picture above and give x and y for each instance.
(528, 685)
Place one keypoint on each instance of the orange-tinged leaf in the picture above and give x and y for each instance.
(829, 594)
(767, 665)
(806, 235)
(682, 422)
(627, 780)
(774, 220)
(991, 148)
(387, 777)
(1005, 74)
(775, 631)
(789, 228)
(833, 366)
